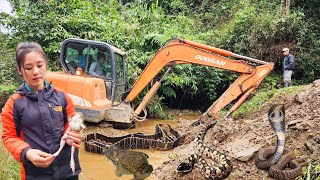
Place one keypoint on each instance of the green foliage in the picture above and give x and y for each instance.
(154, 41)
(256, 29)
(262, 96)
(309, 66)
(272, 80)
(253, 28)
(5, 92)
(156, 109)
(260, 30)
(174, 7)
(8, 88)
(168, 91)
(8, 68)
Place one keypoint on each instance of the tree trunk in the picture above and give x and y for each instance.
(285, 7)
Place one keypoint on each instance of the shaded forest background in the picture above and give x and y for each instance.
(254, 28)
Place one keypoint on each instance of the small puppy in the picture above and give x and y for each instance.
(75, 124)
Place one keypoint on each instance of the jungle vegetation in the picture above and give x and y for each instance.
(258, 29)
(254, 28)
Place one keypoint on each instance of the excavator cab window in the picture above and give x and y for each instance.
(121, 84)
(96, 59)
(86, 56)
(89, 55)
(72, 60)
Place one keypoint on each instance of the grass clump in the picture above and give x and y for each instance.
(312, 171)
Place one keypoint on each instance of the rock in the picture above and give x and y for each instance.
(215, 142)
(245, 155)
(129, 162)
(301, 97)
(316, 82)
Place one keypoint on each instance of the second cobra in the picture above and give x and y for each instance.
(272, 158)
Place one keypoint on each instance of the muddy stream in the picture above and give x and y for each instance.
(96, 166)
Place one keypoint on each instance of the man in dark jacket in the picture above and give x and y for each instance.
(288, 67)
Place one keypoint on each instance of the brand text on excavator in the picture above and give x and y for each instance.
(213, 61)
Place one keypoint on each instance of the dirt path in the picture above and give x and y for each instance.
(240, 138)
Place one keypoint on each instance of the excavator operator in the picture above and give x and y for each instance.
(96, 68)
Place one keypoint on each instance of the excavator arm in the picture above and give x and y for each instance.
(178, 51)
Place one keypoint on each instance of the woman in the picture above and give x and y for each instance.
(35, 118)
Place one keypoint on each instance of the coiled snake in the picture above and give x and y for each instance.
(271, 157)
(203, 152)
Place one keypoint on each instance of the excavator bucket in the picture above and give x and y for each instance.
(120, 113)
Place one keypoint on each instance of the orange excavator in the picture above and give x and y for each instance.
(106, 96)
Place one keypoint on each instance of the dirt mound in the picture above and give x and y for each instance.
(240, 139)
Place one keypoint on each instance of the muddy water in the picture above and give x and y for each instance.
(95, 166)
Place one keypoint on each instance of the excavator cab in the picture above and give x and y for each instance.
(84, 54)
(101, 81)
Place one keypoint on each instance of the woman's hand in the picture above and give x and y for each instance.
(74, 138)
(39, 158)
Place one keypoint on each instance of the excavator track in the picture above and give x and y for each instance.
(165, 138)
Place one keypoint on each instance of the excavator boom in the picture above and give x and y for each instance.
(252, 72)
